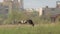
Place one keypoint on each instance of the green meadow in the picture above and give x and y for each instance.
(28, 29)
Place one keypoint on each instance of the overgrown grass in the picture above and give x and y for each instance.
(27, 29)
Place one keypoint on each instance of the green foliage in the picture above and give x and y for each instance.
(22, 15)
(15, 15)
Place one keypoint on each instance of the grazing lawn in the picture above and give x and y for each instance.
(28, 29)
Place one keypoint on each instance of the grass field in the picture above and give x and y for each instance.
(28, 29)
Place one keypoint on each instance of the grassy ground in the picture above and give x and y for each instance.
(28, 29)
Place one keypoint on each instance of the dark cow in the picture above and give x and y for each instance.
(26, 21)
(30, 22)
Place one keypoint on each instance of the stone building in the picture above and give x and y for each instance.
(8, 5)
(52, 13)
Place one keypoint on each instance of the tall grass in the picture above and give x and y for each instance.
(44, 29)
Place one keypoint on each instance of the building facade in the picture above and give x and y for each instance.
(52, 11)
(8, 5)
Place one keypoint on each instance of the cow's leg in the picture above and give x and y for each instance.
(30, 22)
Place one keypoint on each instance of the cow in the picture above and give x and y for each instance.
(26, 21)
(21, 22)
(30, 22)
